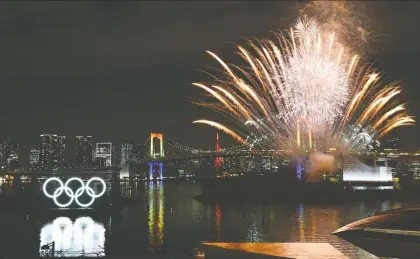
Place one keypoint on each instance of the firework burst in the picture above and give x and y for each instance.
(304, 90)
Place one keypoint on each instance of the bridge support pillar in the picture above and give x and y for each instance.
(160, 171)
(151, 170)
(298, 169)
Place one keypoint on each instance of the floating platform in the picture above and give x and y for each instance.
(270, 250)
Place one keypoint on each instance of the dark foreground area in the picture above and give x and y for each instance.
(163, 220)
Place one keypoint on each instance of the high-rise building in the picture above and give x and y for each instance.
(51, 150)
(104, 154)
(93, 153)
(3, 153)
(84, 152)
(139, 153)
(234, 164)
(34, 157)
(126, 151)
(61, 148)
(115, 158)
(47, 146)
(9, 152)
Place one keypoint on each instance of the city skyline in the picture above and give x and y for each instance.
(83, 154)
(73, 148)
(78, 151)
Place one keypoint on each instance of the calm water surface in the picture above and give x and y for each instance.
(164, 220)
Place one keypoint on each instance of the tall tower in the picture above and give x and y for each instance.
(48, 151)
(9, 151)
(61, 148)
(153, 153)
(104, 151)
(84, 147)
(34, 157)
(218, 161)
(156, 155)
(126, 150)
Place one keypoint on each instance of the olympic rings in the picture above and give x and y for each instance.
(74, 196)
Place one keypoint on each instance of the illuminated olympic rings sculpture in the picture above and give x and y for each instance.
(74, 195)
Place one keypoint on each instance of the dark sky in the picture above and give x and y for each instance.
(118, 71)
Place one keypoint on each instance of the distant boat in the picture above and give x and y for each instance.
(392, 234)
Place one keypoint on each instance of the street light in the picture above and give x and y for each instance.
(50, 247)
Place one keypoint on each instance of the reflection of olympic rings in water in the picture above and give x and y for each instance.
(74, 195)
(74, 238)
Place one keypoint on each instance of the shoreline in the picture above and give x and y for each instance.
(309, 197)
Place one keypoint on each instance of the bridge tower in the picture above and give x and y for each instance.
(218, 160)
(158, 136)
(153, 164)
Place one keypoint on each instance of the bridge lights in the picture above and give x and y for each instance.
(152, 166)
(159, 136)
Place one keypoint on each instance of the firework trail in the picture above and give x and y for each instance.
(304, 90)
(223, 128)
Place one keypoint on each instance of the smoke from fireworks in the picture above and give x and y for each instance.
(346, 18)
(305, 89)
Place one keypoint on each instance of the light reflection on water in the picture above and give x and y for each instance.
(156, 217)
(83, 237)
(301, 223)
(254, 235)
(165, 219)
(194, 222)
(218, 221)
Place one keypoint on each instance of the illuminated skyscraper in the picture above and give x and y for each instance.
(9, 152)
(126, 151)
(84, 151)
(104, 153)
(218, 161)
(139, 153)
(47, 150)
(94, 153)
(51, 150)
(61, 148)
(34, 157)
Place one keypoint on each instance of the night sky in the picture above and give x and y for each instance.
(118, 71)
